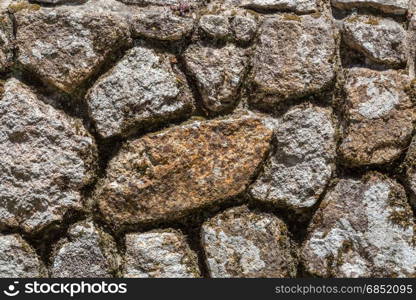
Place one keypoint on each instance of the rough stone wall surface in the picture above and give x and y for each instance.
(222, 138)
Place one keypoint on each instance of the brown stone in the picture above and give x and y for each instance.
(170, 173)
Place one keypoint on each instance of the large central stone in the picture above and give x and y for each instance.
(168, 174)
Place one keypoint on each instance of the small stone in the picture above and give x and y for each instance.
(169, 174)
(6, 40)
(18, 259)
(297, 173)
(299, 6)
(244, 28)
(379, 116)
(159, 254)
(398, 7)
(47, 158)
(49, 38)
(241, 243)
(362, 229)
(142, 89)
(215, 26)
(161, 23)
(88, 252)
(380, 40)
(219, 73)
(294, 57)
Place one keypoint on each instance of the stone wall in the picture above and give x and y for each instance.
(222, 138)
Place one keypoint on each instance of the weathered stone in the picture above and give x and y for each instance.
(297, 173)
(162, 2)
(6, 39)
(59, 1)
(389, 6)
(215, 26)
(143, 88)
(380, 40)
(300, 6)
(243, 28)
(65, 45)
(379, 116)
(47, 158)
(88, 252)
(168, 174)
(241, 243)
(159, 254)
(362, 229)
(410, 168)
(219, 73)
(295, 57)
(162, 23)
(18, 259)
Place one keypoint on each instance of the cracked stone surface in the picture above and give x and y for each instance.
(242, 243)
(294, 58)
(219, 73)
(388, 6)
(363, 228)
(300, 6)
(173, 172)
(47, 158)
(298, 171)
(159, 254)
(18, 259)
(380, 40)
(87, 252)
(142, 89)
(379, 115)
(50, 37)
(162, 23)
(6, 40)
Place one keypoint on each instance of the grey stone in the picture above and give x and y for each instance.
(388, 6)
(242, 243)
(6, 39)
(380, 40)
(219, 73)
(47, 158)
(18, 259)
(88, 252)
(294, 57)
(379, 116)
(142, 89)
(363, 228)
(215, 26)
(300, 168)
(243, 28)
(159, 254)
(49, 38)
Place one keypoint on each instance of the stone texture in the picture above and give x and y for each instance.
(379, 116)
(297, 173)
(6, 40)
(241, 243)
(380, 40)
(362, 229)
(388, 6)
(168, 174)
(47, 158)
(162, 23)
(88, 252)
(49, 39)
(294, 57)
(18, 259)
(244, 28)
(142, 89)
(410, 171)
(300, 6)
(215, 26)
(159, 254)
(219, 73)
